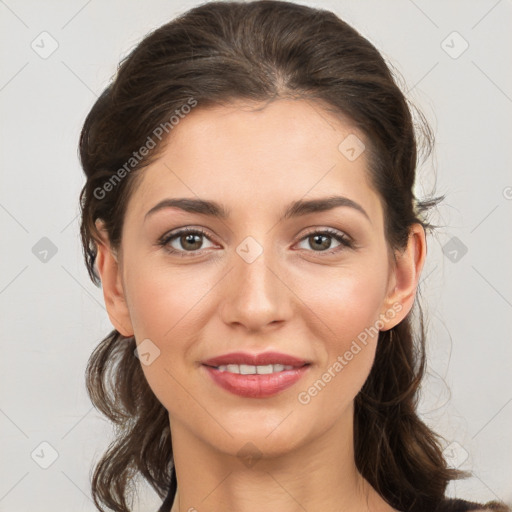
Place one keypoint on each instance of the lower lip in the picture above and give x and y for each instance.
(256, 386)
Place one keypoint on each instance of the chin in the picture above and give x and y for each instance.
(274, 436)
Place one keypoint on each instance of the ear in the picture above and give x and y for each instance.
(404, 278)
(111, 282)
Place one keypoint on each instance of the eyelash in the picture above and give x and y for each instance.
(344, 240)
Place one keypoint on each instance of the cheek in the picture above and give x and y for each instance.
(347, 302)
(163, 302)
(352, 303)
(167, 307)
(349, 309)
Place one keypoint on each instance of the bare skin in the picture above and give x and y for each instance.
(294, 298)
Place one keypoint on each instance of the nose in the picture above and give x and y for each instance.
(256, 294)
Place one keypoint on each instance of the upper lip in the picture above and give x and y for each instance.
(262, 359)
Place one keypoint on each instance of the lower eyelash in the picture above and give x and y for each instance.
(341, 238)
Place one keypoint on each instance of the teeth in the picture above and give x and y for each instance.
(247, 369)
(269, 368)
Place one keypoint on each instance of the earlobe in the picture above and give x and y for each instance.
(111, 282)
(406, 273)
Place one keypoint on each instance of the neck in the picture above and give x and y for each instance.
(320, 475)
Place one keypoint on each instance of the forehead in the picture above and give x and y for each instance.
(255, 155)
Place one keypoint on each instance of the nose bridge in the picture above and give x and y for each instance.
(255, 296)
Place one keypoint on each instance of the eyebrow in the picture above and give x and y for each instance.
(294, 209)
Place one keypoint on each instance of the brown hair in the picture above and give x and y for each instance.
(216, 53)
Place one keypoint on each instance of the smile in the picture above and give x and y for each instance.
(247, 369)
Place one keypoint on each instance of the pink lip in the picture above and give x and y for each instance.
(256, 386)
(255, 359)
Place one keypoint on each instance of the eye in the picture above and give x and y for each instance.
(322, 240)
(185, 241)
(189, 241)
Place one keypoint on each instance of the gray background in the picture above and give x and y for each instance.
(52, 316)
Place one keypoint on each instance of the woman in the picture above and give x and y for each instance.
(249, 211)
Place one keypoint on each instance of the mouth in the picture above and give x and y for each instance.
(255, 375)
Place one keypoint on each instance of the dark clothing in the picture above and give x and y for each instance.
(449, 505)
(457, 505)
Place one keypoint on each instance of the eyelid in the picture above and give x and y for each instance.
(325, 229)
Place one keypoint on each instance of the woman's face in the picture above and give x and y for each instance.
(258, 280)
